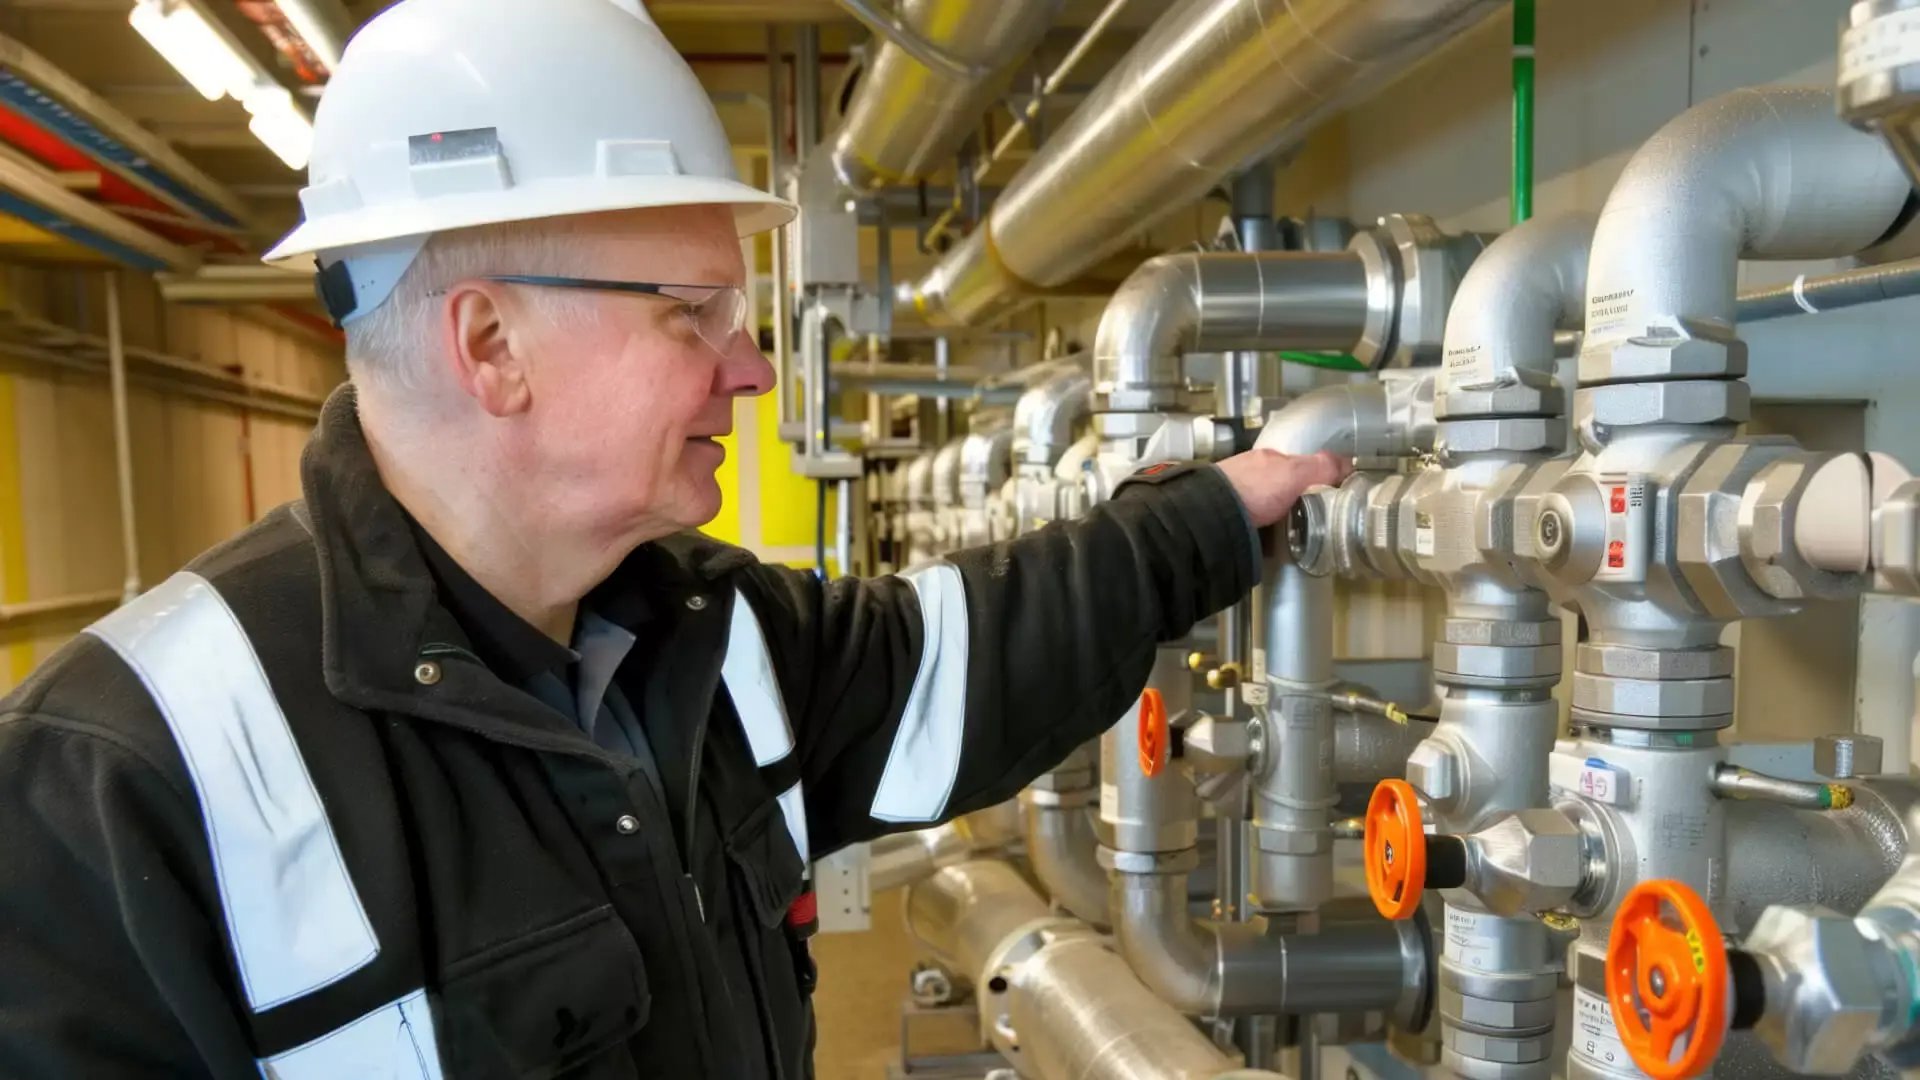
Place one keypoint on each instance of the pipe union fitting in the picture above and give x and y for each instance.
(1598, 408)
(1278, 841)
(1670, 348)
(1626, 662)
(1826, 988)
(1515, 434)
(1652, 697)
(1769, 509)
(1707, 535)
(1496, 661)
(1510, 1018)
(1505, 1051)
(1512, 399)
(1503, 634)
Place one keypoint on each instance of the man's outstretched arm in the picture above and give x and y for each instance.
(947, 688)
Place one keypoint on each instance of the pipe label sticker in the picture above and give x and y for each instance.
(1253, 690)
(1467, 366)
(1883, 42)
(1594, 1036)
(1467, 945)
(1423, 543)
(1608, 314)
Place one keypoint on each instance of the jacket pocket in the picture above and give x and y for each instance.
(547, 1003)
(768, 863)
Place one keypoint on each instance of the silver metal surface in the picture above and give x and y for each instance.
(1879, 88)
(904, 858)
(1734, 782)
(965, 912)
(1833, 988)
(1836, 859)
(1527, 862)
(1197, 302)
(909, 116)
(1060, 845)
(1212, 85)
(1050, 415)
(1841, 757)
(1368, 749)
(1529, 283)
(1149, 813)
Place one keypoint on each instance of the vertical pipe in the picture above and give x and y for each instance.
(942, 359)
(122, 438)
(781, 306)
(806, 82)
(844, 535)
(1522, 196)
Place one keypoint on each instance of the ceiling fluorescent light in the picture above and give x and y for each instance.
(198, 52)
(279, 123)
(313, 29)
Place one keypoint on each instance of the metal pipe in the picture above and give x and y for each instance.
(1836, 859)
(1060, 844)
(1831, 292)
(122, 440)
(895, 33)
(1211, 85)
(963, 913)
(1734, 782)
(904, 858)
(59, 605)
(1217, 301)
(1369, 748)
(806, 91)
(1064, 70)
(1049, 415)
(1528, 283)
(1082, 1015)
(942, 63)
(1767, 173)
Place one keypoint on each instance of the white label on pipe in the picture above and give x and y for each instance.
(1467, 366)
(1423, 534)
(1609, 314)
(1594, 1036)
(1887, 41)
(1109, 802)
(1466, 946)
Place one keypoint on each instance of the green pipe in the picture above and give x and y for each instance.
(1522, 196)
(1330, 361)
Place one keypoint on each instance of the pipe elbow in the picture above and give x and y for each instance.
(1047, 418)
(1528, 283)
(1176, 956)
(1351, 419)
(1144, 331)
(1060, 845)
(1769, 172)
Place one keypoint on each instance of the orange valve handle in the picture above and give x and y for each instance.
(1153, 732)
(1667, 981)
(1396, 849)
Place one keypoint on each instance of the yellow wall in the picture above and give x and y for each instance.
(59, 503)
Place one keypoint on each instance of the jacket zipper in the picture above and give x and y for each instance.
(693, 806)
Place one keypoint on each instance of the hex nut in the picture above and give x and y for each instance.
(1625, 662)
(1540, 397)
(1221, 738)
(1707, 545)
(1768, 509)
(1827, 976)
(1432, 771)
(1496, 661)
(1515, 434)
(1843, 757)
(1636, 404)
(1668, 348)
(1481, 1012)
(1652, 697)
(1492, 632)
(1526, 862)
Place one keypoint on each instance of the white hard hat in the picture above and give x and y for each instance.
(446, 114)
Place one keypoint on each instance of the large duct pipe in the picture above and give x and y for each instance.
(1527, 284)
(965, 912)
(907, 119)
(1215, 302)
(1210, 86)
(1767, 173)
(1081, 1015)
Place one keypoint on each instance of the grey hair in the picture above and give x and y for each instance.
(394, 344)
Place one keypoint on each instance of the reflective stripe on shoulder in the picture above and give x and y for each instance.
(293, 915)
(925, 758)
(393, 1042)
(754, 687)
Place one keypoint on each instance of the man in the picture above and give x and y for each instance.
(476, 762)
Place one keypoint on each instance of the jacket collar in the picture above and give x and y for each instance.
(380, 613)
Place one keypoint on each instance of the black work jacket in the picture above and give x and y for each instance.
(529, 882)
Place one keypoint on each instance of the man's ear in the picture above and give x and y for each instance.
(489, 359)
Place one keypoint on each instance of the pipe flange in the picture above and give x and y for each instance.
(1308, 525)
(1652, 697)
(1496, 661)
(1599, 409)
(1064, 799)
(1499, 1050)
(1456, 631)
(1626, 662)
(1667, 348)
(1513, 434)
(1536, 394)
(1383, 290)
(1430, 264)
(1148, 862)
(1598, 719)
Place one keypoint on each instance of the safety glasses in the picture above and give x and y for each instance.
(718, 313)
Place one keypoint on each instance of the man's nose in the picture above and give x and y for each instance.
(744, 370)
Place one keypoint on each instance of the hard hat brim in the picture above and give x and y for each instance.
(755, 211)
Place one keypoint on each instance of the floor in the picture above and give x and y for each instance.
(863, 980)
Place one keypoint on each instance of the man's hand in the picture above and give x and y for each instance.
(1268, 482)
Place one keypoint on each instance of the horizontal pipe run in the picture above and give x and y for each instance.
(964, 912)
(907, 857)
(1836, 859)
(1734, 782)
(59, 605)
(1831, 292)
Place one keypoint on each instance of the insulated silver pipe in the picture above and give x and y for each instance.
(1525, 285)
(908, 117)
(1082, 1015)
(1048, 416)
(122, 441)
(904, 858)
(1219, 301)
(1765, 173)
(1211, 85)
(1831, 292)
(964, 912)
(1837, 858)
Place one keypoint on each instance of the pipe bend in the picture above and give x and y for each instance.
(1766, 173)
(1175, 955)
(1146, 328)
(1529, 282)
(1047, 418)
(1352, 419)
(1060, 844)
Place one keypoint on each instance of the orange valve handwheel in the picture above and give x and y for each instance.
(1667, 981)
(1396, 849)
(1153, 732)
